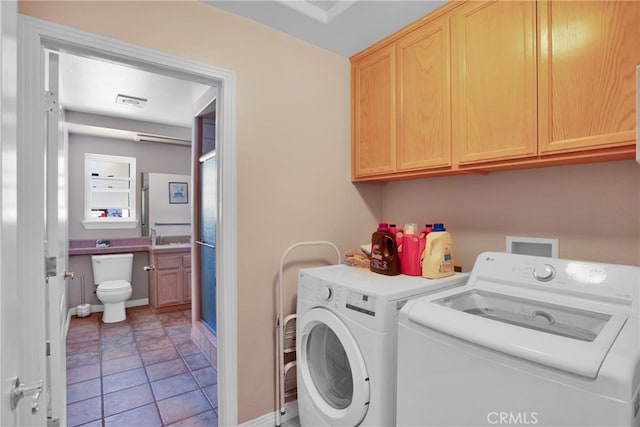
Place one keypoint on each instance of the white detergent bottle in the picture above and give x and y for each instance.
(437, 258)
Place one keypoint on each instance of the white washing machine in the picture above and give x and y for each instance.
(527, 341)
(346, 342)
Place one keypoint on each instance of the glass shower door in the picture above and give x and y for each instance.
(207, 214)
(207, 240)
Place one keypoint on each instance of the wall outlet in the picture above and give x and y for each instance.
(533, 246)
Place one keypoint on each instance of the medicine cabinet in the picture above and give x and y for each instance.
(110, 191)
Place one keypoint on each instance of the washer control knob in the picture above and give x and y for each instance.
(544, 272)
(325, 293)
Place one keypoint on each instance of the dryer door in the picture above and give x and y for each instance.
(332, 368)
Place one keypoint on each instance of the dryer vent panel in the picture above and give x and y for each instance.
(533, 246)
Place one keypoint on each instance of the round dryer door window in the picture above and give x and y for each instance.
(333, 368)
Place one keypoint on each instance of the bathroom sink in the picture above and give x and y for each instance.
(172, 245)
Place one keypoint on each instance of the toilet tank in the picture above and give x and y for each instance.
(112, 267)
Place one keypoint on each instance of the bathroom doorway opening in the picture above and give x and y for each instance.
(38, 36)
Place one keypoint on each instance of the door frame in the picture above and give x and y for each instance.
(34, 36)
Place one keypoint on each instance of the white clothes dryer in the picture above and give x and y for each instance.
(528, 341)
(346, 342)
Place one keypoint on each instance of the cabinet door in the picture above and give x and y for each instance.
(424, 97)
(588, 55)
(169, 286)
(186, 285)
(494, 81)
(373, 141)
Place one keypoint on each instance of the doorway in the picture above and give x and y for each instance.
(37, 36)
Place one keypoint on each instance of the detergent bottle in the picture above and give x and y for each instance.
(410, 255)
(384, 252)
(422, 241)
(437, 260)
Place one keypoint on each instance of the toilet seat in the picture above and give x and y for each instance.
(114, 286)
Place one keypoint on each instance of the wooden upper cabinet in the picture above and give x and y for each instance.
(494, 81)
(373, 143)
(424, 97)
(588, 53)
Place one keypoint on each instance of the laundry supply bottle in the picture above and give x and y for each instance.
(384, 252)
(399, 233)
(422, 241)
(437, 260)
(410, 255)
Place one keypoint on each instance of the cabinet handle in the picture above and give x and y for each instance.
(149, 267)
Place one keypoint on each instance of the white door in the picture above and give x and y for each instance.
(332, 367)
(56, 247)
(11, 345)
(22, 325)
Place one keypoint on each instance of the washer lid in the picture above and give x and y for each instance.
(332, 367)
(113, 285)
(566, 338)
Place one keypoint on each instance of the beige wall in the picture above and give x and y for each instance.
(293, 149)
(593, 209)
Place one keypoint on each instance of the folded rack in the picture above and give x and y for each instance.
(286, 336)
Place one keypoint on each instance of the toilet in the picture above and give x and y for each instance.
(112, 276)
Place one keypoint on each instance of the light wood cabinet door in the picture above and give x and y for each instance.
(373, 142)
(169, 286)
(424, 97)
(494, 81)
(588, 53)
(170, 283)
(186, 285)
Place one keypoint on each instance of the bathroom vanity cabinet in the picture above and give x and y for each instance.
(170, 280)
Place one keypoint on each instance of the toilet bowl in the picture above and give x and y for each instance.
(112, 276)
(113, 294)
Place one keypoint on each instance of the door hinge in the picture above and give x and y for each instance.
(48, 347)
(50, 266)
(53, 423)
(51, 101)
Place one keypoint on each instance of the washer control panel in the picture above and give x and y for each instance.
(619, 282)
(544, 272)
(362, 303)
(325, 293)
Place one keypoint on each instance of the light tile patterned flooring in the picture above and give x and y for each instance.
(143, 372)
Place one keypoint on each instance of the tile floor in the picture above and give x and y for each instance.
(143, 372)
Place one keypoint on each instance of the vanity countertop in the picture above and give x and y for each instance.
(127, 245)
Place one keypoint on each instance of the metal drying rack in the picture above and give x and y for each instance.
(286, 334)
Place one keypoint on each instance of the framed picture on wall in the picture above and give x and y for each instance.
(178, 192)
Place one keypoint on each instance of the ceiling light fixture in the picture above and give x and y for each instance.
(132, 101)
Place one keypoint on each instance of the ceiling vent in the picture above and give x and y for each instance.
(131, 101)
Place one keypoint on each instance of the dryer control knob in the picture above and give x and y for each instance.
(544, 272)
(325, 293)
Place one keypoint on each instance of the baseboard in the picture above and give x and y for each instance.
(269, 420)
(100, 308)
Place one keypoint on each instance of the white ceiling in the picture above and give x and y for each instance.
(92, 86)
(345, 27)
